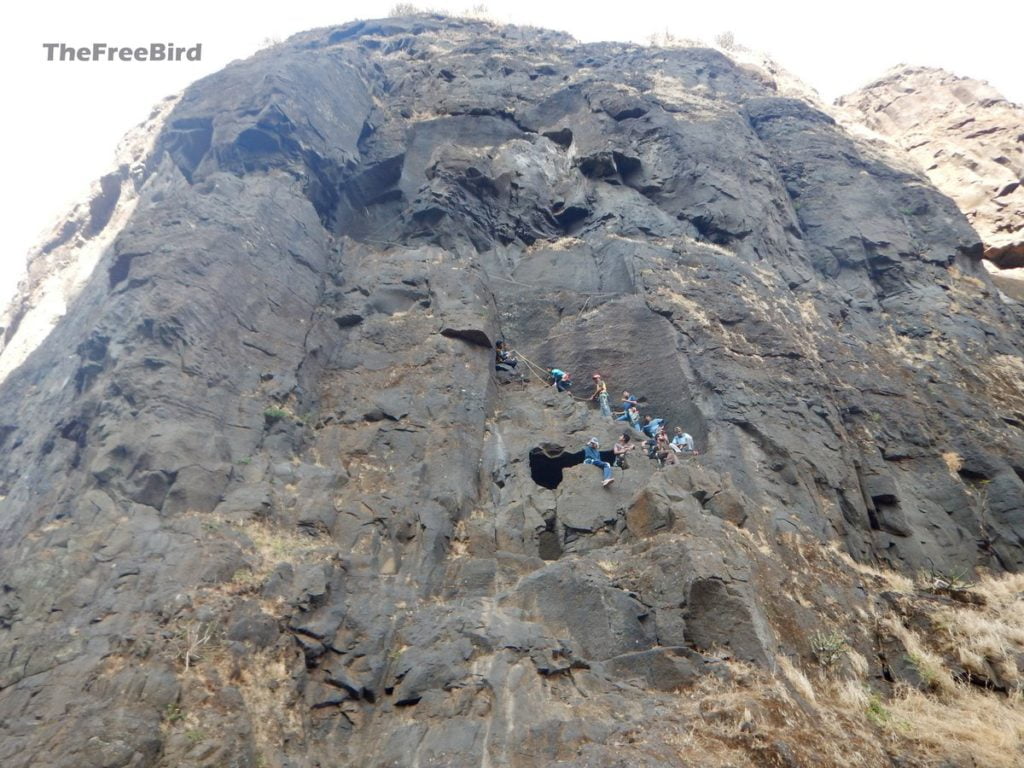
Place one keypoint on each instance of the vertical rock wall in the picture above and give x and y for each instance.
(267, 444)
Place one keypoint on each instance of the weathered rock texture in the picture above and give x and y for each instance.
(61, 264)
(265, 501)
(966, 137)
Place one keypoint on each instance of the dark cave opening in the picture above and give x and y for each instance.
(547, 463)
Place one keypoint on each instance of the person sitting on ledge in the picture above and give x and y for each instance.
(592, 454)
(503, 359)
(682, 442)
(621, 448)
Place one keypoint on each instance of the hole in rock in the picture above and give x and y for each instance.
(548, 460)
(974, 475)
(547, 463)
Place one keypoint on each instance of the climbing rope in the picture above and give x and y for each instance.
(543, 373)
(532, 367)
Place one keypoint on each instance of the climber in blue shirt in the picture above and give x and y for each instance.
(592, 455)
(629, 402)
(560, 379)
(650, 427)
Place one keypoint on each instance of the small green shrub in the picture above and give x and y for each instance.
(877, 712)
(273, 414)
(935, 580)
(828, 648)
(930, 669)
(190, 641)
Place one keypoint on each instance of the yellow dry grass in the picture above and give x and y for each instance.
(951, 721)
(739, 721)
(953, 462)
(796, 678)
(882, 578)
(929, 664)
(990, 639)
(275, 544)
(971, 728)
(265, 689)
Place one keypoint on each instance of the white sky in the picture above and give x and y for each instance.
(61, 121)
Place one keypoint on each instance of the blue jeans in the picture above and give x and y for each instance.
(602, 401)
(604, 465)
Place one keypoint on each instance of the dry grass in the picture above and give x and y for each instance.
(276, 545)
(265, 686)
(929, 665)
(881, 578)
(1004, 592)
(986, 641)
(851, 694)
(741, 723)
(795, 676)
(973, 728)
(954, 462)
(555, 244)
(951, 720)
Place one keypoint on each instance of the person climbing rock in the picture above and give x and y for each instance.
(650, 426)
(560, 380)
(628, 402)
(592, 455)
(633, 417)
(622, 447)
(503, 359)
(682, 442)
(601, 395)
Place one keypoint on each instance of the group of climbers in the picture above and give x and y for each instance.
(656, 441)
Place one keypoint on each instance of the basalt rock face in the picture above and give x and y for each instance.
(267, 502)
(966, 137)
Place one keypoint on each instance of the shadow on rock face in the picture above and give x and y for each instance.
(548, 460)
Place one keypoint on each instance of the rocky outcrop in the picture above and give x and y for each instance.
(59, 267)
(966, 137)
(265, 500)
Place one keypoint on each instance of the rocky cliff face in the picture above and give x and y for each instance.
(966, 137)
(265, 500)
